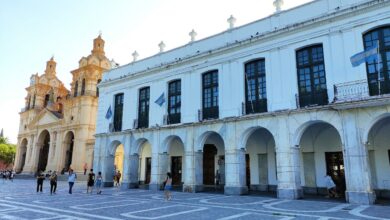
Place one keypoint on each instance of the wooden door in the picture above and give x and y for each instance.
(209, 152)
(176, 164)
(148, 169)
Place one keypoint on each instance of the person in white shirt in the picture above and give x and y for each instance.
(330, 186)
(71, 179)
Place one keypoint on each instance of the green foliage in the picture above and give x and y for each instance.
(4, 140)
(7, 153)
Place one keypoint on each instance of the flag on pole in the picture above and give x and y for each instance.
(161, 100)
(109, 113)
(368, 55)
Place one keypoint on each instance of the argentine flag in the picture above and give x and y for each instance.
(109, 113)
(365, 56)
(161, 100)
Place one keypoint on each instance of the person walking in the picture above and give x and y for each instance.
(40, 179)
(53, 183)
(168, 187)
(85, 168)
(118, 176)
(91, 181)
(71, 179)
(98, 183)
(330, 186)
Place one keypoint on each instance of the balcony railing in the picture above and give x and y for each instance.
(312, 99)
(351, 91)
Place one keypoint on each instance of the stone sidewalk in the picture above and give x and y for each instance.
(18, 200)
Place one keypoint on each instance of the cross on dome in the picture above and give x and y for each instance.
(278, 5)
(193, 35)
(231, 20)
(135, 55)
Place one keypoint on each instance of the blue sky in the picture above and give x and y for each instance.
(32, 31)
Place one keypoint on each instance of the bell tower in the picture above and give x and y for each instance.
(98, 46)
(51, 67)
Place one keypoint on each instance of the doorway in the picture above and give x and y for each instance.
(209, 153)
(148, 169)
(335, 166)
(176, 170)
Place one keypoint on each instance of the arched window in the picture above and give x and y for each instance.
(143, 107)
(97, 89)
(378, 84)
(47, 98)
(83, 87)
(311, 76)
(174, 102)
(76, 87)
(210, 107)
(255, 87)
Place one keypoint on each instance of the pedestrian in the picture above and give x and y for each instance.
(12, 175)
(330, 186)
(98, 183)
(91, 181)
(40, 179)
(118, 176)
(217, 179)
(168, 187)
(71, 179)
(85, 168)
(53, 183)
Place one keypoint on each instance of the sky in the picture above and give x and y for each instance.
(33, 31)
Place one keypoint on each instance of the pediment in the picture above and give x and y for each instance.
(45, 117)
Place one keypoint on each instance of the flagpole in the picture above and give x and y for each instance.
(379, 69)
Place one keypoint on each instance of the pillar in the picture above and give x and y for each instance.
(159, 170)
(126, 171)
(133, 172)
(189, 174)
(288, 164)
(235, 173)
(108, 170)
(357, 170)
(198, 169)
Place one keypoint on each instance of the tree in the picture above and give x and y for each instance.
(7, 151)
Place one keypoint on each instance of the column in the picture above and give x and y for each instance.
(17, 167)
(108, 170)
(235, 172)
(160, 170)
(189, 174)
(126, 171)
(357, 170)
(35, 158)
(133, 172)
(198, 162)
(288, 164)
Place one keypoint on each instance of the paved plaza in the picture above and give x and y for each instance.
(18, 200)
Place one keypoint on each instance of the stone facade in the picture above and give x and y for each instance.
(308, 111)
(57, 125)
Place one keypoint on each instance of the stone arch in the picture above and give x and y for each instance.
(321, 152)
(297, 134)
(260, 159)
(378, 149)
(372, 123)
(22, 155)
(175, 149)
(111, 167)
(44, 146)
(143, 149)
(68, 149)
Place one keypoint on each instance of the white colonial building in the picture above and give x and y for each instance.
(273, 105)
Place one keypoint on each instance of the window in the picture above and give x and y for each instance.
(378, 85)
(311, 76)
(28, 102)
(33, 103)
(174, 102)
(143, 107)
(118, 112)
(83, 87)
(97, 89)
(255, 87)
(210, 95)
(76, 87)
(47, 97)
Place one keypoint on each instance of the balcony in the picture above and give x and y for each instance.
(351, 91)
(253, 107)
(312, 99)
